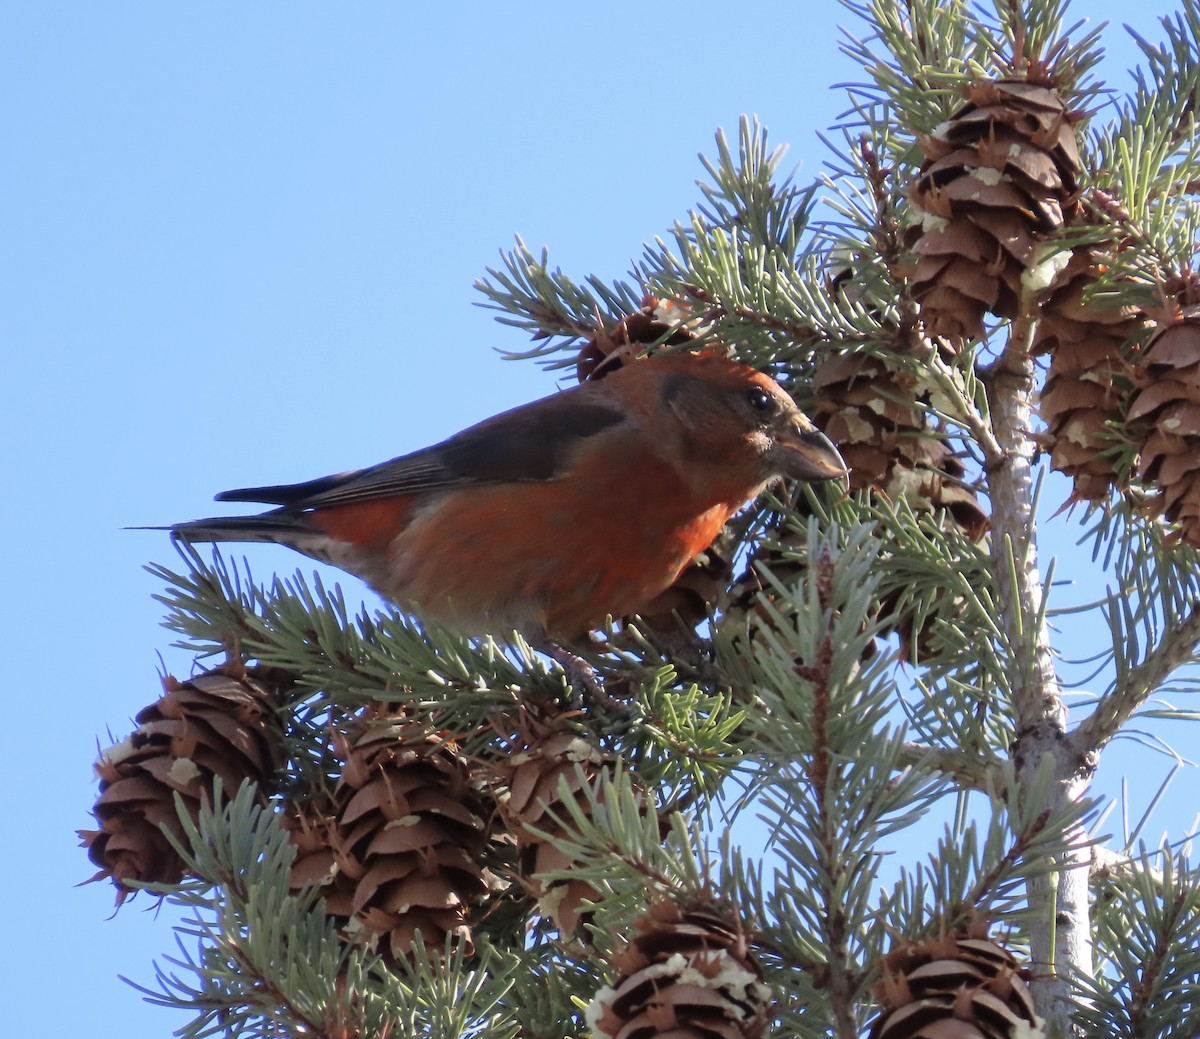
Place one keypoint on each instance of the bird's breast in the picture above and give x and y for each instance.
(553, 558)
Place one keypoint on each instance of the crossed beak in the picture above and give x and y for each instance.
(803, 452)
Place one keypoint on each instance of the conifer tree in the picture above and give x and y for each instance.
(379, 828)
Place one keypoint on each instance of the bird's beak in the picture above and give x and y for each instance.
(803, 452)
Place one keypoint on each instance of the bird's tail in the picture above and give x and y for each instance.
(285, 527)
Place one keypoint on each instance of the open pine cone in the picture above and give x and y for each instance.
(312, 826)
(1167, 406)
(873, 410)
(869, 408)
(684, 974)
(954, 988)
(219, 724)
(410, 831)
(546, 765)
(1089, 381)
(994, 183)
(660, 321)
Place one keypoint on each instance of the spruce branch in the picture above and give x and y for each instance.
(746, 193)
(1030, 42)
(993, 886)
(1011, 490)
(615, 840)
(1144, 162)
(1109, 865)
(723, 307)
(969, 407)
(1148, 936)
(686, 742)
(265, 960)
(1156, 583)
(268, 962)
(929, 52)
(984, 863)
(527, 294)
(828, 771)
(1177, 647)
(1169, 88)
(306, 629)
(841, 977)
(1153, 616)
(933, 48)
(967, 770)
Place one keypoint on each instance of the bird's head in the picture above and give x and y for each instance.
(733, 414)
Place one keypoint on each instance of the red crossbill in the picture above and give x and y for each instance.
(549, 517)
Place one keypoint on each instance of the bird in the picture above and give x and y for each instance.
(552, 517)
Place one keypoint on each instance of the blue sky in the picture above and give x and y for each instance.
(239, 243)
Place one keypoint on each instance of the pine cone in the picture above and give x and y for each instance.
(219, 724)
(874, 411)
(544, 755)
(1089, 381)
(411, 828)
(954, 988)
(687, 975)
(1167, 405)
(930, 477)
(920, 639)
(994, 183)
(312, 826)
(868, 408)
(663, 322)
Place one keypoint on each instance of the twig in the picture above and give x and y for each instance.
(970, 770)
(840, 981)
(1115, 708)
(971, 417)
(1108, 863)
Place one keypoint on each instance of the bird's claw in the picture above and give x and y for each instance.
(587, 687)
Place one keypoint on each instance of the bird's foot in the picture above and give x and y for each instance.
(586, 686)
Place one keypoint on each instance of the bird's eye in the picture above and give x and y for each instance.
(761, 401)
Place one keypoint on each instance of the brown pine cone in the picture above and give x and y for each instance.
(410, 832)
(996, 177)
(684, 974)
(1166, 405)
(966, 987)
(221, 724)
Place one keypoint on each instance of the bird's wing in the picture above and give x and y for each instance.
(532, 442)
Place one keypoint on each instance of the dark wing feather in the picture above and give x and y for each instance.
(533, 442)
